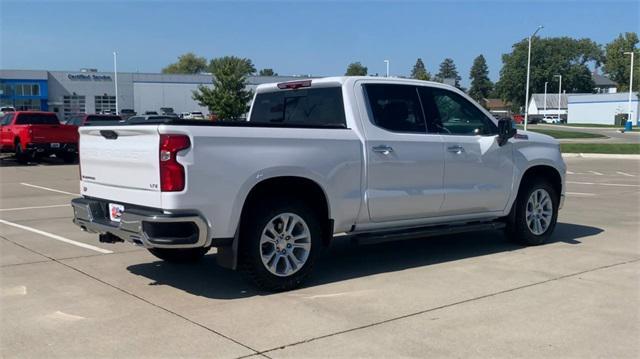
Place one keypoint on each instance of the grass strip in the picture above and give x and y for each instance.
(609, 148)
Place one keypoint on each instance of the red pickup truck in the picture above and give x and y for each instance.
(33, 134)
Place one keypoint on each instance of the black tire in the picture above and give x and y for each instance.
(250, 262)
(21, 156)
(69, 157)
(517, 227)
(179, 255)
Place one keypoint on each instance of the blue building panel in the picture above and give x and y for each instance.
(24, 94)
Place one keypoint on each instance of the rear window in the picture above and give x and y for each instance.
(313, 107)
(37, 119)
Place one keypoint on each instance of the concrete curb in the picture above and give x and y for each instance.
(601, 155)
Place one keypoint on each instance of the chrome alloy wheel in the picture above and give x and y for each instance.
(285, 244)
(539, 211)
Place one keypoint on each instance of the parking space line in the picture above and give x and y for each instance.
(49, 189)
(596, 173)
(605, 184)
(56, 237)
(624, 174)
(570, 173)
(580, 194)
(34, 207)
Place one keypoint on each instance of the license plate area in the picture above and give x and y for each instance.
(115, 211)
(55, 145)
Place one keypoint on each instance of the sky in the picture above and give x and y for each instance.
(293, 38)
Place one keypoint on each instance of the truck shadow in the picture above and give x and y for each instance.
(345, 261)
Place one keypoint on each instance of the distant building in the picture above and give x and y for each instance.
(88, 91)
(541, 105)
(498, 107)
(601, 108)
(603, 84)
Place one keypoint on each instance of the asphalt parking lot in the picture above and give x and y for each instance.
(63, 294)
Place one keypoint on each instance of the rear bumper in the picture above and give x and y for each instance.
(150, 228)
(49, 147)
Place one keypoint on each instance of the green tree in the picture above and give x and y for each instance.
(617, 64)
(267, 72)
(481, 86)
(550, 56)
(419, 71)
(356, 69)
(448, 71)
(188, 63)
(228, 98)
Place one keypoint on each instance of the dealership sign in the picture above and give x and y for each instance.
(87, 77)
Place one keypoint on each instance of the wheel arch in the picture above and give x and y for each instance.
(298, 186)
(545, 171)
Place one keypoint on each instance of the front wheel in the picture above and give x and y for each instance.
(279, 244)
(536, 213)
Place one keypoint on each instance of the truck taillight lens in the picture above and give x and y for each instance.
(171, 172)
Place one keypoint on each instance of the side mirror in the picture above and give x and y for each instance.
(506, 130)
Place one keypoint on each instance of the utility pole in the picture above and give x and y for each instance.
(629, 124)
(545, 96)
(526, 100)
(559, 94)
(115, 76)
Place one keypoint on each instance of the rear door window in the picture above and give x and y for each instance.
(37, 119)
(313, 107)
(396, 108)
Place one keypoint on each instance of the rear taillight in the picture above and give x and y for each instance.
(171, 172)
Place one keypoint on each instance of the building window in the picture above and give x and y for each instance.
(6, 89)
(73, 106)
(27, 105)
(105, 104)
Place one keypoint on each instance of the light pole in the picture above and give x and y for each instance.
(545, 96)
(115, 76)
(629, 124)
(559, 94)
(387, 63)
(526, 100)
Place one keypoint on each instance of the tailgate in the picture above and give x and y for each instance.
(53, 133)
(121, 163)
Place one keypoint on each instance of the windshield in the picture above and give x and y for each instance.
(103, 118)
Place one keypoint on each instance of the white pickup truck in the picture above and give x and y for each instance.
(371, 158)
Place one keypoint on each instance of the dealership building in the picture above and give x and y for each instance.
(88, 91)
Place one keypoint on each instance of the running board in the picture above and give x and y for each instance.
(422, 232)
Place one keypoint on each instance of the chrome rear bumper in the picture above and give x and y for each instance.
(143, 227)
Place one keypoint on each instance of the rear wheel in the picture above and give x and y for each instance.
(279, 244)
(21, 155)
(179, 255)
(535, 213)
(69, 157)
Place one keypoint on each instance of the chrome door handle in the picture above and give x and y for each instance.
(456, 149)
(384, 149)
